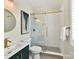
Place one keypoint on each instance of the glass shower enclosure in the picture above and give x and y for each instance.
(46, 29)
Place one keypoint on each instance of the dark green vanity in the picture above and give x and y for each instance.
(22, 54)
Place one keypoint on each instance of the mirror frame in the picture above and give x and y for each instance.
(24, 22)
(8, 16)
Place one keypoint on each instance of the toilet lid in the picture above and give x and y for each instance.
(36, 48)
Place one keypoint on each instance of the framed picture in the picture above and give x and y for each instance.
(24, 22)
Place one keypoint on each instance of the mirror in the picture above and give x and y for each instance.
(24, 22)
(9, 21)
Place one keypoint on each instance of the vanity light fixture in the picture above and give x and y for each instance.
(11, 2)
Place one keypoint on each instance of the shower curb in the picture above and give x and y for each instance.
(52, 53)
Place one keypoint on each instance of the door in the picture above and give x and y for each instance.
(24, 53)
(14, 56)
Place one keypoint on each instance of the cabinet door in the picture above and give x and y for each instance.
(25, 53)
(14, 57)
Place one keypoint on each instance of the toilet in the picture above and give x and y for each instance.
(35, 50)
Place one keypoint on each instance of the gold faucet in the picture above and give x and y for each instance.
(6, 41)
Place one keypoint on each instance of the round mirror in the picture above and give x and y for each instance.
(9, 21)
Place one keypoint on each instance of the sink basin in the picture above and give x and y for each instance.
(24, 41)
(9, 49)
(14, 46)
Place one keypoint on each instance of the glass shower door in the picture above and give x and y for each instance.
(37, 31)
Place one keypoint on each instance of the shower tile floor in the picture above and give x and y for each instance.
(47, 56)
(52, 49)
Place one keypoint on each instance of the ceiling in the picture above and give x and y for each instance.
(41, 5)
(45, 5)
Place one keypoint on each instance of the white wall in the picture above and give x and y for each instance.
(19, 5)
(66, 46)
(68, 49)
(67, 12)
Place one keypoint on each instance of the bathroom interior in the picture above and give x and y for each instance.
(38, 29)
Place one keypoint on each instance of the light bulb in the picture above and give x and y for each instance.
(11, 3)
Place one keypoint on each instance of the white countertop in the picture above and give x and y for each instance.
(18, 48)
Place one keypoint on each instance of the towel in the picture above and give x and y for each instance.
(63, 33)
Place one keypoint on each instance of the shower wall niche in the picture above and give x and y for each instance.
(46, 29)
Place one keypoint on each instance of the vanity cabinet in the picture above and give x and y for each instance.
(22, 54)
